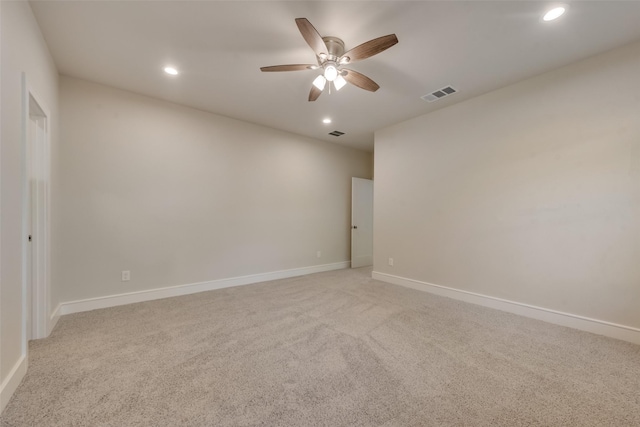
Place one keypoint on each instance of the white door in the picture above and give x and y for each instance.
(32, 132)
(36, 221)
(361, 222)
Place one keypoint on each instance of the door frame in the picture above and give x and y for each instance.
(35, 288)
(361, 261)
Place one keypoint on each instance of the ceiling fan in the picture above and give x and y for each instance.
(332, 58)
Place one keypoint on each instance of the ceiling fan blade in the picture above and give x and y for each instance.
(289, 67)
(370, 48)
(314, 94)
(360, 80)
(311, 36)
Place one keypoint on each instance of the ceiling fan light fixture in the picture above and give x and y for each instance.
(319, 82)
(330, 72)
(331, 56)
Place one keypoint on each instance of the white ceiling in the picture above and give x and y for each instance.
(219, 46)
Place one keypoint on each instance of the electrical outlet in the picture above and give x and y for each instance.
(126, 275)
(391, 261)
(318, 254)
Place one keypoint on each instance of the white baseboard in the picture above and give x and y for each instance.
(53, 319)
(192, 288)
(600, 327)
(11, 383)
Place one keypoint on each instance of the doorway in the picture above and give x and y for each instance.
(361, 222)
(36, 217)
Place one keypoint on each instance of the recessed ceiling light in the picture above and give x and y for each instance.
(326, 121)
(554, 13)
(171, 70)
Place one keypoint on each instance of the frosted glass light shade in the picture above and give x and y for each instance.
(330, 73)
(319, 82)
(339, 82)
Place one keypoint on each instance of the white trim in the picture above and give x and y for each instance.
(192, 288)
(41, 255)
(601, 327)
(11, 383)
(53, 319)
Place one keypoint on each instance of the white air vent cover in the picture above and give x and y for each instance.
(439, 94)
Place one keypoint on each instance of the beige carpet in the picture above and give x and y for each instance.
(330, 349)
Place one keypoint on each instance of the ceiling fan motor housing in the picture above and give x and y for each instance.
(335, 48)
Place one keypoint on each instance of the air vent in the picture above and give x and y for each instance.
(439, 94)
(336, 133)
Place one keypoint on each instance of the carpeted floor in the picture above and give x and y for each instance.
(329, 349)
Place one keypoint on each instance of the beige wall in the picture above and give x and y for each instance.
(180, 196)
(23, 50)
(530, 193)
